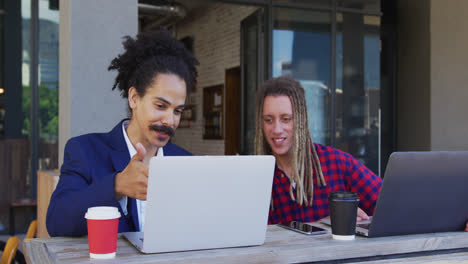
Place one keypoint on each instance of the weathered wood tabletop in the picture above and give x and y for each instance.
(281, 246)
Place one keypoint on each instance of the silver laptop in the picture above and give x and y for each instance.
(422, 192)
(205, 202)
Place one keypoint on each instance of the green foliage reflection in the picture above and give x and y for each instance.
(48, 111)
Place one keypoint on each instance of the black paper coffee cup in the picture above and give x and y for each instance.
(343, 213)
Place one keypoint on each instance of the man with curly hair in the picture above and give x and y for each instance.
(155, 73)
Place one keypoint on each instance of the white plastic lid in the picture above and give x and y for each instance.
(102, 213)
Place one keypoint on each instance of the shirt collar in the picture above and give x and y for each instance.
(131, 149)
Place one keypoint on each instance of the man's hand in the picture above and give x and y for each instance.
(133, 180)
(361, 215)
(466, 229)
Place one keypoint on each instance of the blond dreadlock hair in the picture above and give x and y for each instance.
(304, 156)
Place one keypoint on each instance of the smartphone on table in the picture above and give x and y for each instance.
(304, 228)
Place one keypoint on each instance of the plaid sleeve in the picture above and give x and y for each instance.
(365, 183)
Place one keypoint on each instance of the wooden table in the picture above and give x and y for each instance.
(281, 246)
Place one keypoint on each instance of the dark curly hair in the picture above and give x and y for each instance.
(149, 54)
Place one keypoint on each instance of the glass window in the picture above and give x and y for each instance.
(308, 3)
(362, 5)
(346, 115)
(48, 85)
(26, 55)
(48, 81)
(301, 49)
(358, 87)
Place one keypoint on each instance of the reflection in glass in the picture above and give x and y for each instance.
(48, 81)
(26, 94)
(48, 85)
(301, 49)
(358, 87)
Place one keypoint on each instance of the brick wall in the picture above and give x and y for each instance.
(216, 33)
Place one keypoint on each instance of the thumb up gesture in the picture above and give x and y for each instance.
(133, 180)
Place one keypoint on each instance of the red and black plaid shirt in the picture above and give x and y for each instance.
(341, 172)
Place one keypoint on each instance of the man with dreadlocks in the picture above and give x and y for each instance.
(306, 172)
(155, 73)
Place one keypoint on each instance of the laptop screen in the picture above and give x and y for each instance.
(197, 202)
(422, 192)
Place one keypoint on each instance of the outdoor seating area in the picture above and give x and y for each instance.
(233, 131)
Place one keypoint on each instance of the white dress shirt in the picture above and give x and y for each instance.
(141, 205)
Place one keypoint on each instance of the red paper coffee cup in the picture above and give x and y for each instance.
(103, 226)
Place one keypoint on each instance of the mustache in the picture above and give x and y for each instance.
(163, 129)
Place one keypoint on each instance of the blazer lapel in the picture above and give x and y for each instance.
(120, 158)
(120, 155)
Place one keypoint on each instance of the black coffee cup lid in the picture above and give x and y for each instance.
(345, 196)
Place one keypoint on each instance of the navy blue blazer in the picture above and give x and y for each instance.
(87, 174)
